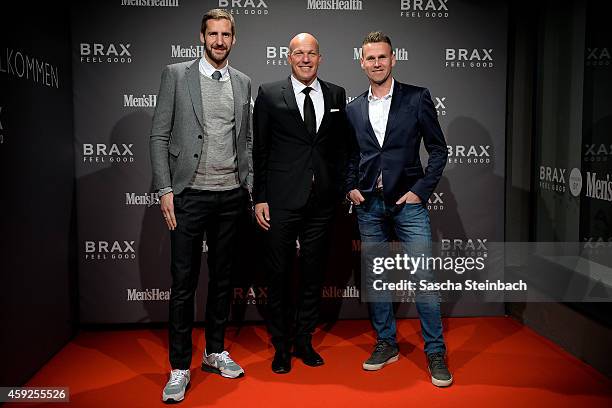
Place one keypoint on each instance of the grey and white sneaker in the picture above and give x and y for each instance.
(383, 354)
(221, 363)
(174, 391)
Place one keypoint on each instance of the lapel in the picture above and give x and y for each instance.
(193, 84)
(289, 97)
(326, 121)
(365, 113)
(238, 98)
(396, 101)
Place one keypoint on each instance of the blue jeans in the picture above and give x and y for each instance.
(410, 222)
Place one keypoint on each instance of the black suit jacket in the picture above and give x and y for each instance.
(412, 118)
(286, 156)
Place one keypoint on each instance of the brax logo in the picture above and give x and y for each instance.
(435, 202)
(109, 250)
(596, 246)
(591, 242)
(105, 53)
(424, 8)
(102, 153)
(440, 102)
(597, 152)
(464, 247)
(469, 58)
(552, 179)
(473, 154)
(277, 55)
(552, 174)
(246, 7)
(251, 296)
(597, 57)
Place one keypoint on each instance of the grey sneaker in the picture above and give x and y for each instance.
(174, 391)
(383, 354)
(221, 363)
(440, 376)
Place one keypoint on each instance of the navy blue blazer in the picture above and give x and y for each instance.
(412, 117)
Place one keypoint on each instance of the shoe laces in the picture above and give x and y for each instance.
(436, 360)
(224, 357)
(176, 376)
(380, 346)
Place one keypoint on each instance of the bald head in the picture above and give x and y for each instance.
(303, 39)
(304, 57)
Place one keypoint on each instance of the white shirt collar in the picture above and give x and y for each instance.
(207, 69)
(299, 87)
(371, 97)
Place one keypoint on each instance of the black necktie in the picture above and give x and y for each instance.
(216, 75)
(310, 119)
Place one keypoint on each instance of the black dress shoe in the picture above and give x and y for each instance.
(282, 362)
(308, 355)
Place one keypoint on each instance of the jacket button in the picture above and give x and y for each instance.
(195, 155)
(199, 136)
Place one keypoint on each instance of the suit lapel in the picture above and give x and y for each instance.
(195, 92)
(396, 101)
(365, 113)
(326, 121)
(238, 98)
(289, 97)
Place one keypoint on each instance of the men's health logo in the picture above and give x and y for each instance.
(344, 5)
(139, 101)
(401, 54)
(192, 51)
(150, 3)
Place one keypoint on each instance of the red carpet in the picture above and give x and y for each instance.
(496, 362)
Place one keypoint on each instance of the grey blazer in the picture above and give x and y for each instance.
(177, 132)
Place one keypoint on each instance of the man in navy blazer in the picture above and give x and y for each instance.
(389, 189)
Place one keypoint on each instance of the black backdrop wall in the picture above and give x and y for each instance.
(455, 48)
(37, 150)
(37, 273)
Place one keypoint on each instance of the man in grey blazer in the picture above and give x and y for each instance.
(200, 147)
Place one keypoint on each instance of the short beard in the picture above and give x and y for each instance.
(211, 56)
